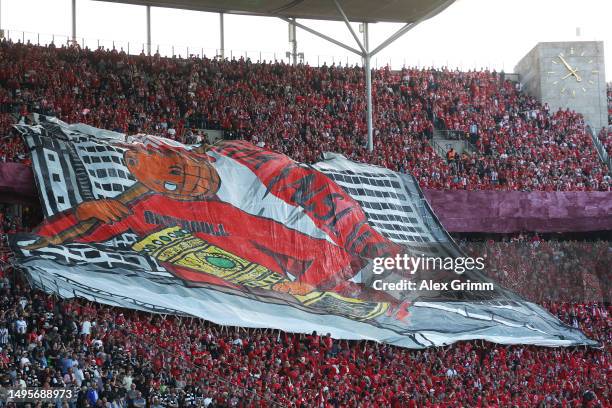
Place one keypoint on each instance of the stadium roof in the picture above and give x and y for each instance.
(398, 11)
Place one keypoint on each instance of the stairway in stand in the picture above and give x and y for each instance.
(444, 140)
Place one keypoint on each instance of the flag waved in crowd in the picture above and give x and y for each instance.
(244, 236)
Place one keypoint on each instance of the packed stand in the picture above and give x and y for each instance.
(520, 144)
(120, 358)
(548, 270)
(303, 111)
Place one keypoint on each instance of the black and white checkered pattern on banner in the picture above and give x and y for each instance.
(76, 163)
(113, 254)
(393, 204)
(71, 166)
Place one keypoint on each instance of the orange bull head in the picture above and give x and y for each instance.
(181, 175)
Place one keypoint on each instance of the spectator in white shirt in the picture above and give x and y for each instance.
(24, 361)
(86, 327)
(21, 326)
(4, 335)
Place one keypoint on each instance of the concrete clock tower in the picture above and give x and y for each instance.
(568, 75)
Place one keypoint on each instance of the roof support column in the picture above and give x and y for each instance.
(221, 36)
(364, 52)
(74, 35)
(368, 81)
(293, 41)
(148, 30)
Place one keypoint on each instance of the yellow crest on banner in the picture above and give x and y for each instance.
(177, 246)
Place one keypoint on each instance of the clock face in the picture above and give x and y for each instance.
(573, 72)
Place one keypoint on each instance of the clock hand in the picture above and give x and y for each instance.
(572, 71)
(566, 64)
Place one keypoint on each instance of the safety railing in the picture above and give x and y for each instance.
(457, 135)
(601, 149)
(439, 148)
(178, 51)
(200, 51)
(451, 134)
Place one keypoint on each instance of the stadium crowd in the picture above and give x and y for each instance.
(303, 111)
(548, 270)
(120, 358)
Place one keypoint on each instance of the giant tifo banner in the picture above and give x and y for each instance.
(247, 237)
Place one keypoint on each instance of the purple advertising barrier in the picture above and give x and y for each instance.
(16, 183)
(516, 211)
